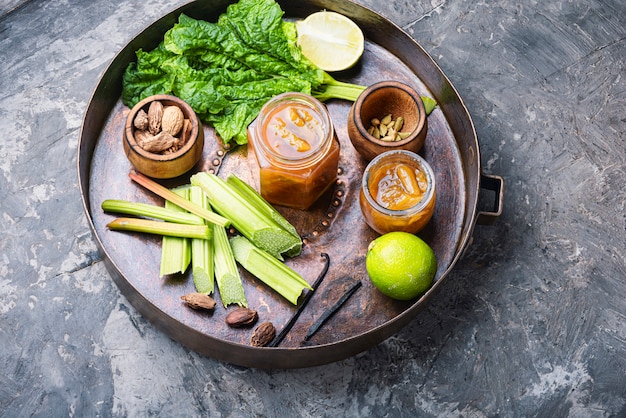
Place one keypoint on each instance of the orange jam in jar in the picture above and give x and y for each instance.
(296, 149)
(398, 192)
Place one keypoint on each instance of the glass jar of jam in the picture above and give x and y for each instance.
(398, 192)
(295, 146)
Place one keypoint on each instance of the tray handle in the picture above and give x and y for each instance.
(491, 183)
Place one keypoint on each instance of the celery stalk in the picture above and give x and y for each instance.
(176, 251)
(261, 204)
(268, 269)
(202, 250)
(251, 222)
(167, 194)
(151, 211)
(226, 271)
(159, 228)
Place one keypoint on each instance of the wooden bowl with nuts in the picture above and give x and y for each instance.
(163, 137)
(388, 115)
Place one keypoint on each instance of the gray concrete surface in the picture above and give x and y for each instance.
(532, 321)
(8, 6)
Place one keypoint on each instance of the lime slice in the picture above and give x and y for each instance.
(330, 40)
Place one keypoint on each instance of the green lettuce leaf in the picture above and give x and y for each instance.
(227, 70)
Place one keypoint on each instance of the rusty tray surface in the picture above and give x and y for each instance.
(334, 226)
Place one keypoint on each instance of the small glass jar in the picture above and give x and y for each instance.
(398, 192)
(297, 151)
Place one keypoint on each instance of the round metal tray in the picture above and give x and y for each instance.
(334, 226)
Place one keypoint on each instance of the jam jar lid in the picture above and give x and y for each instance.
(305, 158)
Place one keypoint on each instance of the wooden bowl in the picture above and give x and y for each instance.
(379, 100)
(164, 165)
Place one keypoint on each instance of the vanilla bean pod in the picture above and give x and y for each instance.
(331, 311)
(278, 339)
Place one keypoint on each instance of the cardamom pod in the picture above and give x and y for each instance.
(199, 301)
(159, 142)
(141, 120)
(155, 114)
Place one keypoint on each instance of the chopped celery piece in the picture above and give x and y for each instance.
(268, 269)
(151, 211)
(252, 222)
(167, 194)
(261, 204)
(176, 251)
(226, 271)
(202, 250)
(159, 228)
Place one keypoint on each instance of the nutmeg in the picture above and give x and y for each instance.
(263, 335)
(172, 120)
(241, 317)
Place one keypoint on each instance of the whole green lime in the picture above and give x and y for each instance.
(401, 265)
